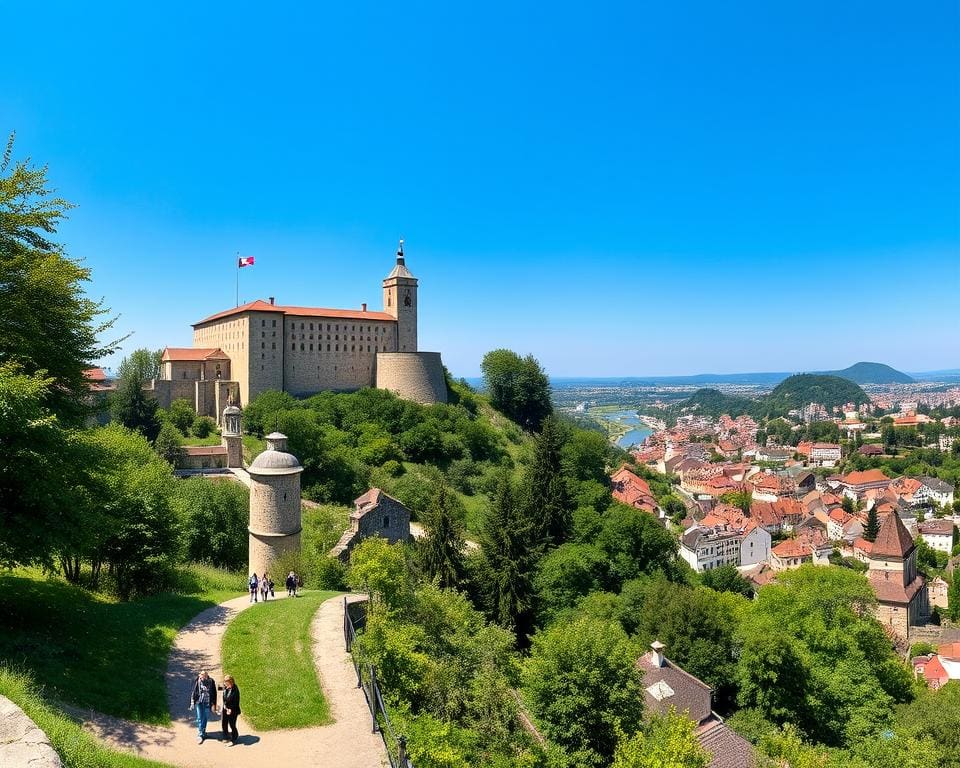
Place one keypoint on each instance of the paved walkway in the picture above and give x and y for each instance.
(347, 743)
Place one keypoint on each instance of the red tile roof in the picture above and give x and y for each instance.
(792, 548)
(893, 539)
(867, 476)
(264, 306)
(195, 354)
(95, 374)
(950, 651)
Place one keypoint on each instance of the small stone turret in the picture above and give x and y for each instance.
(231, 438)
(275, 519)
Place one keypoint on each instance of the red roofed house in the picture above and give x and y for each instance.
(855, 484)
(790, 553)
(931, 669)
(901, 592)
(263, 346)
(632, 490)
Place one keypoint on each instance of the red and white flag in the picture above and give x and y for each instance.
(245, 261)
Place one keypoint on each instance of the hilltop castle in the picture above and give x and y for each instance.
(260, 346)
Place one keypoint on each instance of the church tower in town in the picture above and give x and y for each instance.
(400, 301)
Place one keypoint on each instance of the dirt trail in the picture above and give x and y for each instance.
(346, 743)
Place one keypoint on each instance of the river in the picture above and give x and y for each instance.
(635, 435)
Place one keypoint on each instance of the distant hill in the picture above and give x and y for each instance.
(797, 391)
(871, 373)
(793, 392)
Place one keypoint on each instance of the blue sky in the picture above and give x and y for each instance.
(617, 188)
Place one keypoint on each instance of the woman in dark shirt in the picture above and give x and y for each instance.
(230, 709)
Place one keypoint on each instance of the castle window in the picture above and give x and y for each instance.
(293, 347)
(301, 346)
(263, 323)
(301, 326)
(311, 326)
(311, 347)
(368, 347)
(274, 323)
(337, 349)
(328, 347)
(263, 345)
(273, 345)
(328, 326)
(386, 521)
(353, 348)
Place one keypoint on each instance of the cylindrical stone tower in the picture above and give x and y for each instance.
(274, 504)
(231, 437)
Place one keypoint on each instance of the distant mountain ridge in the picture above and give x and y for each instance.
(871, 373)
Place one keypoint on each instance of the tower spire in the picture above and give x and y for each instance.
(400, 259)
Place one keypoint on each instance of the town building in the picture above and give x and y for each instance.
(937, 533)
(668, 687)
(374, 514)
(629, 488)
(855, 484)
(936, 490)
(938, 590)
(789, 554)
(262, 345)
(902, 600)
(704, 549)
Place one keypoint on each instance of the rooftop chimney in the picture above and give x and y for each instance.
(657, 656)
(363, 307)
(271, 301)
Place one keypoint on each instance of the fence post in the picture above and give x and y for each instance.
(373, 696)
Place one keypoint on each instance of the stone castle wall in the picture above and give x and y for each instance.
(208, 397)
(416, 376)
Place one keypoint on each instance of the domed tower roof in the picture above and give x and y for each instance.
(275, 460)
(230, 410)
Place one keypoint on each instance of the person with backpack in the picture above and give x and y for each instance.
(291, 585)
(203, 698)
(253, 583)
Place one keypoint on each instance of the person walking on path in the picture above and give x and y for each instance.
(253, 583)
(264, 586)
(272, 593)
(229, 710)
(203, 698)
(291, 585)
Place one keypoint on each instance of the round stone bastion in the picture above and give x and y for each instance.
(416, 376)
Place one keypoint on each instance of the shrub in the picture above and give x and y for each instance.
(203, 426)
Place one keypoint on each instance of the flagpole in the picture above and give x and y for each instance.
(237, 267)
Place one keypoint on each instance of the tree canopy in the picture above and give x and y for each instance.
(518, 387)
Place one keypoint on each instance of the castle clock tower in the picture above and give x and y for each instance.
(400, 300)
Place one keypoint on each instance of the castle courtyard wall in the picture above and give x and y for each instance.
(416, 376)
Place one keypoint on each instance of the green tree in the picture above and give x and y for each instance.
(381, 569)
(668, 741)
(511, 548)
(181, 414)
(566, 574)
(813, 655)
(48, 325)
(203, 426)
(518, 387)
(739, 499)
(169, 444)
(953, 597)
(546, 483)
(213, 519)
(441, 549)
(136, 535)
(130, 405)
(142, 364)
(582, 683)
(39, 508)
(726, 578)
(872, 528)
(634, 543)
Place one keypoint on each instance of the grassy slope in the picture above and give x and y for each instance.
(91, 651)
(268, 650)
(76, 747)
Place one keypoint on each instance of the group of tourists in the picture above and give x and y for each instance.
(203, 700)
(263, 585)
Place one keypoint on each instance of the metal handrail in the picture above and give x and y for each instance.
(374, 696)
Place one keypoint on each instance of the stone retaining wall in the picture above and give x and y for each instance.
(21, 742)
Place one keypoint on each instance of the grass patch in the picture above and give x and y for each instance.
(267, 648)
(76, 747)
(92, 651)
